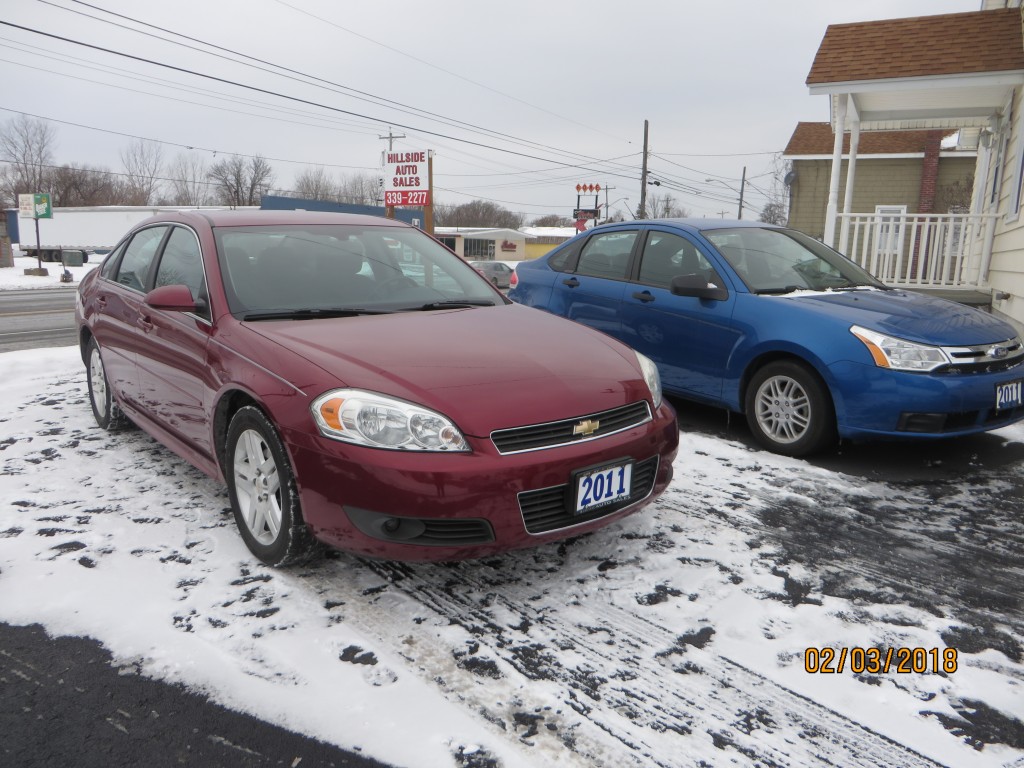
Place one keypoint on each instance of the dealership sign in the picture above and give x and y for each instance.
(406, 181)
(35, 206)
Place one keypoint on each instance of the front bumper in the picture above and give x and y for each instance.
(879, 402)
(404, 505)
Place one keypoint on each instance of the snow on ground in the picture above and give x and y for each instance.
(679, 631)
(14, 278)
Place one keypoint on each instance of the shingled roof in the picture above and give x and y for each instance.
(948, 44)
(818, 139)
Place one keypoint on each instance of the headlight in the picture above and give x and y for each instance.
(900, 354)
(651, 376)
(367, 418)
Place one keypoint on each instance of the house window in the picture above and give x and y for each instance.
(478, 249)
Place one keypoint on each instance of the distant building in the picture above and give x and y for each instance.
(484, 243)
(897, 172)
(540, 240)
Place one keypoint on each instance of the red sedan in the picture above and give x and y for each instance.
(356, 384)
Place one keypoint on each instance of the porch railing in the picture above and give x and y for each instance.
(919, 250)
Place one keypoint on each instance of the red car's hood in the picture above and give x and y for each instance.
(486, 368)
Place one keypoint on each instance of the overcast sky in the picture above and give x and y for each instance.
(519, 101)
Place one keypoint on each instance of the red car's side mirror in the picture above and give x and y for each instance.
(173, 298)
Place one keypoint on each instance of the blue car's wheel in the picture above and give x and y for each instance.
(789, 409)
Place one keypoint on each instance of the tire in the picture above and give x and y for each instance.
(789, 409)
(264, 496)
(107, 412)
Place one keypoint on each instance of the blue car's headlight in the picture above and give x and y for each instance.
(900, 354)
(369, 418)
(651, 376)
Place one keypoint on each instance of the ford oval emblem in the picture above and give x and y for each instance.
(998, 353)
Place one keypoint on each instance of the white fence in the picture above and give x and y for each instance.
(920, 250)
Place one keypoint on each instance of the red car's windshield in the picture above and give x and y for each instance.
(269, 269)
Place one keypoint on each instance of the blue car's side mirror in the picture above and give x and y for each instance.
(697, 286)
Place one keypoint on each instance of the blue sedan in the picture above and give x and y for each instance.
(769, 322)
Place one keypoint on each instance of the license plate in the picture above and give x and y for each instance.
(597, 488)
(1009, 395)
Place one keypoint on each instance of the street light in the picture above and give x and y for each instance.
(743, 182)
(608, 207)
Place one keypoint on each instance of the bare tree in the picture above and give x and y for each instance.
(316, 184)
(26, 152)
(242, 182)
(479, 213)
(361, 189)
(665, 207)
(552, 220)
(143, 162)
(776, 210)
(188, 183)
(78, 185)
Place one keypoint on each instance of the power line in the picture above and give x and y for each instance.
(290, 98)
(316, 81)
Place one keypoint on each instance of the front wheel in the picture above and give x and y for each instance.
(264, 497)
(105, 410)
(789, 409)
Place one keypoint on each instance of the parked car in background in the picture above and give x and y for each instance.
(769, 322)
(340, 374)
(495, 271)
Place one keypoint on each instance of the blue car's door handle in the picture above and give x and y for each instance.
(572, 282)
(644, 296)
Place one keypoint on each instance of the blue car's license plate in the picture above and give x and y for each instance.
(601, 487)
(1009, 395)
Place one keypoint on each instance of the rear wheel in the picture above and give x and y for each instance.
(264, 497)
(789, 409)
(107, 412)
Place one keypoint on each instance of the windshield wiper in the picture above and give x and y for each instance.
(454, 304)
(313, 313)
(858, 286)
(778, 291)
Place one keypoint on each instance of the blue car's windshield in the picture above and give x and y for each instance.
(784, 260)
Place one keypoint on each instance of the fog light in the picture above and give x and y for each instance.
(391, 525)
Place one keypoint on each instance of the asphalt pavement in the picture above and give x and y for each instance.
(65, 704)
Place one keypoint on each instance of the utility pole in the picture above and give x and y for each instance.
(643, 180)
(389, 211)
(606, 211)
(743, 183)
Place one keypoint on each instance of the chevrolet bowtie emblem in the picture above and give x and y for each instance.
(586, 427)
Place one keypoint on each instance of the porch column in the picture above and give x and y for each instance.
(837, 166)
(851, 173)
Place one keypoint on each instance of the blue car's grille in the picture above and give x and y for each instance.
(985, 358)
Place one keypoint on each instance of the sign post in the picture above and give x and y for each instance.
(407, 179)
(36, 206)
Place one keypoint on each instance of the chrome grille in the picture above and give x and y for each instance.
(986, 358)
(556, 433)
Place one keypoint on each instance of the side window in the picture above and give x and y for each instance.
(182, 263)
(562, 261)
(110, 263)
(667, 255)
(138, 257)
(607, 255)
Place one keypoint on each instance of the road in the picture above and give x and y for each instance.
(39, 317)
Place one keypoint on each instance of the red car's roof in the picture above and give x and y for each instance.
(251, 218)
